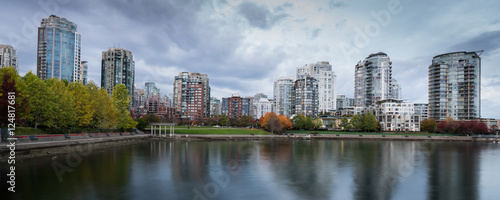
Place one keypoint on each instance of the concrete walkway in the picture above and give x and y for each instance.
(21, 146)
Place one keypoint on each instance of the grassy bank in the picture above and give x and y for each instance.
(221, 131)
(369, 133)
(226, 131)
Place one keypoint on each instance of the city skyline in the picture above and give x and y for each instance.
(244, 46)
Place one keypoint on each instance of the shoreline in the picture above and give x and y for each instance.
(26, 150)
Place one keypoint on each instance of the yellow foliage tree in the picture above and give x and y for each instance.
(82, 103)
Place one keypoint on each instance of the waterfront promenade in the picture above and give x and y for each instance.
(28, 145)
(23, 145)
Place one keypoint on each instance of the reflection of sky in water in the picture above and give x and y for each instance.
(490, 172)
(272, 170)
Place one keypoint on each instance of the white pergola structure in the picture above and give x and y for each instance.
(156, 129)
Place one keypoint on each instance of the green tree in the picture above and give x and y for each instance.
(298, 121)
(223, 120)
(332, 124)
(245, 120)
(104, 112)
(370, 123)
(141, 124)
(428, 125)
(150, 118)
(35, 96)
(357, 122)
(121, 101)
(309, 123)
(82, 102)
(345, 124)
(65, 115)
(318, 123)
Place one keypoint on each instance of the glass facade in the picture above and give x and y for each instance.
(373, 80)
(283, 89)
(117, 67)
(59, 50)
(8, 56)
(455, 86)
(323, 73)
(305, 98)
(151, 90)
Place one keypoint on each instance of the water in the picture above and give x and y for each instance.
(326, 169)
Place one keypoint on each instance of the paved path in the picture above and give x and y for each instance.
(20, 146)
(67, 142)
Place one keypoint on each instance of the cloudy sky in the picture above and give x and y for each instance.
(244, 45)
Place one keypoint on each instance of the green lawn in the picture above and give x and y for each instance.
(221, 131)
(27, 131)
(190, 127)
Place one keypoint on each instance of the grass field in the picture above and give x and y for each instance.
(370, 133)
(221, 131)
(242, 131)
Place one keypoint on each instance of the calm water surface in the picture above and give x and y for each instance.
(326, 169)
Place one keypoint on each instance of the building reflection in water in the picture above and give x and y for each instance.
(298, 169)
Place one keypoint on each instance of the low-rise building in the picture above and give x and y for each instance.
(490, 122)
(349, 111)
(395, 115)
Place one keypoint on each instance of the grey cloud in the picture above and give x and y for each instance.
(488, 41)
(340, 24)
(259, 15)
(283, 7)
(336, 4)
(315, 33)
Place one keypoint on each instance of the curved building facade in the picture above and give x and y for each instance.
(373, 80)
(59, 47)
(455, 86)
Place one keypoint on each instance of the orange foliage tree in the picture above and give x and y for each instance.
(285, 122)
(275, 123)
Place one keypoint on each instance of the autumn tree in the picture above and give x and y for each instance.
(428, 125)
(264, 123)
(121, 101)
(8, 81)
(275, 123)
(447, 126)
(285, 122)
(494, 129)
(82, 103)
(104, 115)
